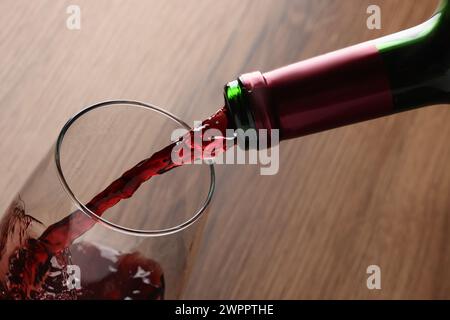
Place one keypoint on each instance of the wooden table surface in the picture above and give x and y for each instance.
(371, 193)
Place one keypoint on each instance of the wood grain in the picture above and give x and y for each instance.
(371, 193)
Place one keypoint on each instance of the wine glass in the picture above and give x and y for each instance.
(54, 246)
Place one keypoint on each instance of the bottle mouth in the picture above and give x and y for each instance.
(236, 102)
(101, 220)
(238, 105)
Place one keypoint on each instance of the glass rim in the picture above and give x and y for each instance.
(103, 221)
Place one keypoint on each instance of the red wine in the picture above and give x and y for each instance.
(107, 274)
(38, 266)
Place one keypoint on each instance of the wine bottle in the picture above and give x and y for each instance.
(406, 70)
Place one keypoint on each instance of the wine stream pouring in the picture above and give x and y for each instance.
(396, 73)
